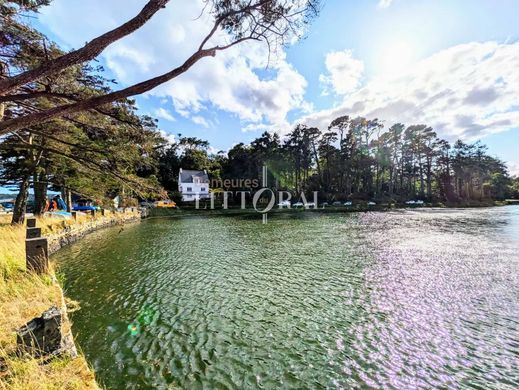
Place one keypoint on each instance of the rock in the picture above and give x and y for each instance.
(44, 336)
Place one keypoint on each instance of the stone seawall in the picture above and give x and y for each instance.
(76, 232)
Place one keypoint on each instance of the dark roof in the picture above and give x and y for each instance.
(186, 176)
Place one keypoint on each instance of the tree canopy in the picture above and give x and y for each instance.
(354, 159)
(273, 22)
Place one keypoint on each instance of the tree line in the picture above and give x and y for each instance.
(353, 159)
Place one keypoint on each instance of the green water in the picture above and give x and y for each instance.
(405, 299)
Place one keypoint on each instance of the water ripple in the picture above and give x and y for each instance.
(405, 299)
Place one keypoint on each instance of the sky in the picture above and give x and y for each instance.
(453, 65)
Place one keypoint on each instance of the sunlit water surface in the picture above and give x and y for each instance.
(404, 299)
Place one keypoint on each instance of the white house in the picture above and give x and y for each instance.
(193, 184)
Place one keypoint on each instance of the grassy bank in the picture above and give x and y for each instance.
(24, 296)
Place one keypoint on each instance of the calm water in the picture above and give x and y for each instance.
(405, 299)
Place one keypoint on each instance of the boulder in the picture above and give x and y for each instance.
(44, 336)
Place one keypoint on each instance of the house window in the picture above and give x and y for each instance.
(189, 189)
(202, 189)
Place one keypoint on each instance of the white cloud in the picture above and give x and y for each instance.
(344, 72)
(256, 127)
(513, 168)
(384, 3)
(164, 114)
(230, 81)
(170, 138)
(212, 150)
(465, 91)
(199, 120)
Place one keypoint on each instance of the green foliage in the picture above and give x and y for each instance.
(96, 154)
(267, 20)
(355, 159)
(513, 188)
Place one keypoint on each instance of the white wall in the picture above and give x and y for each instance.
(191, 190)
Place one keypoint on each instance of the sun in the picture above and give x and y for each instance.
(395, 57)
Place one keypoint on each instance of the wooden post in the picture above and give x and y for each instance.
(33, 232)
(93, 213)
(31, 222)
(37, 254)
(69, 200)
(74, 215)
(103, 212)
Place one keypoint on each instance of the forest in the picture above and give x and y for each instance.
(63, 128)
(353, 159)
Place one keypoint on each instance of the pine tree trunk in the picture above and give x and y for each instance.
(429, 179)
(21, 202)
(40, 193)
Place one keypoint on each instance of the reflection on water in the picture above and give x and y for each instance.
(405, 299)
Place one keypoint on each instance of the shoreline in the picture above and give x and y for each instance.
(24, 296)
(236, 211)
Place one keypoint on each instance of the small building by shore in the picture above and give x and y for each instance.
(193, 184)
